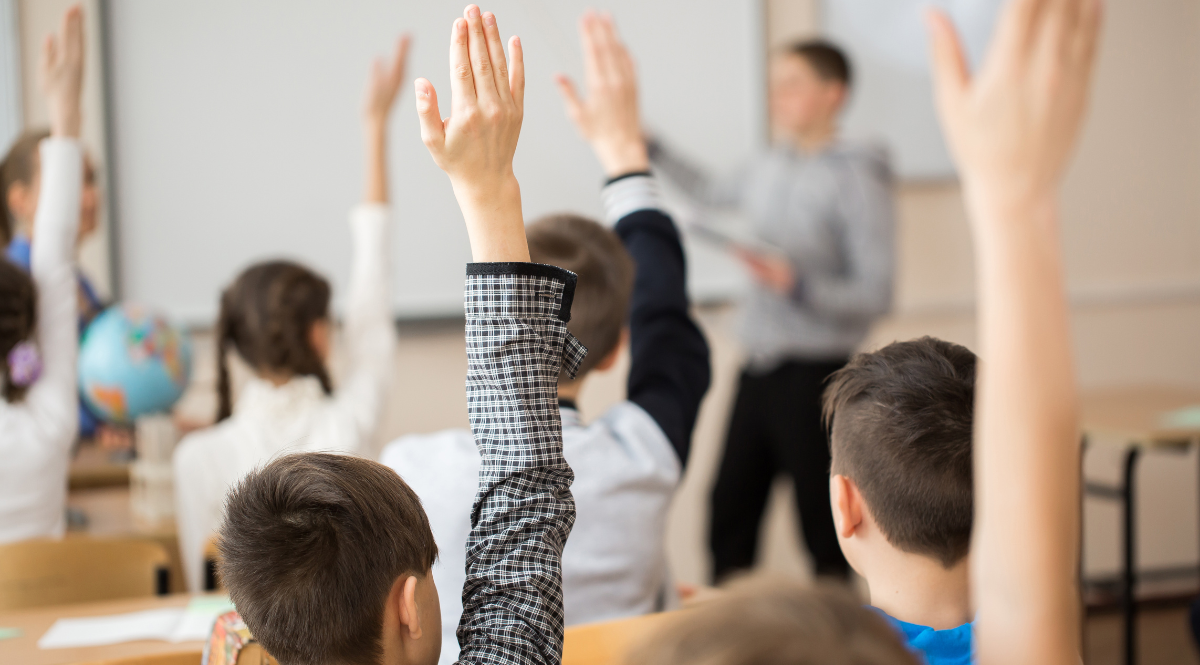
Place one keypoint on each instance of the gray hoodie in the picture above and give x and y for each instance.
(831, 213)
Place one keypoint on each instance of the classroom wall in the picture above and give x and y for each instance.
(38, 18)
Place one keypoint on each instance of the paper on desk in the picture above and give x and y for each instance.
(171, 625)
(112, 629)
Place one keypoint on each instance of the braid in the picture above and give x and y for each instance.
(225, 337)
(18, 317)
(267, 315)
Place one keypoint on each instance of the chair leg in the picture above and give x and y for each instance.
(1129, 572)
(162, 581)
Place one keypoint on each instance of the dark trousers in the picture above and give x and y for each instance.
(775, 428)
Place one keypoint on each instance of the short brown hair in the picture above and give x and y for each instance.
(827, 60)
(900, 420)
(775, 622)
(605, 285)
(310, 548)
(20, 165)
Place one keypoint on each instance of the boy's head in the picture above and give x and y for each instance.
(605, 285)
(775, 622)
(900, 422)
(327, 558)
(809, 83)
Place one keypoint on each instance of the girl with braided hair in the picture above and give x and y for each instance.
(275, 317)
(38, 335)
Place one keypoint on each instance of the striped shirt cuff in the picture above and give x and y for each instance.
(628, 195)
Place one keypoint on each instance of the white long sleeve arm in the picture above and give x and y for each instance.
(370, 338)
(52, 400)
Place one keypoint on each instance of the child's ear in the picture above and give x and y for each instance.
(410, 615)
(847, 505)
(320, 337)
(611, 359)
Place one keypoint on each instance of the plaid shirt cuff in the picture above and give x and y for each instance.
(524, 291)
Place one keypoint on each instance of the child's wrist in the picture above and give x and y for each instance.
(495, 224)
(619, 158)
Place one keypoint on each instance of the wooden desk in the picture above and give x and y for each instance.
(34, 623)
(92, 466)
(1131, 417)
(591, 644)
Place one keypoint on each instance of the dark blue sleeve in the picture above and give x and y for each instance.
(669, 371)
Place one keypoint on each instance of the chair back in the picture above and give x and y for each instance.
(174, 658)
(254, 654)
(38, 573)
(609, 642)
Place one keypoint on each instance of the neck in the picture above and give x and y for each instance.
(570, 389)
(917, 589)
(816, 138)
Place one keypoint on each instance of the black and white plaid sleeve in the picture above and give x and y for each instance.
(517, 343)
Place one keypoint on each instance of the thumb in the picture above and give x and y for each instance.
(570, 97)
(433, 132)
(949, 64)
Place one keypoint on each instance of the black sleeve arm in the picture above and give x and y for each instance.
(669, 372)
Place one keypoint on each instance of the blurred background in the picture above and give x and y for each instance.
(226, 131)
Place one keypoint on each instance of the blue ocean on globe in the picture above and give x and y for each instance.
(132, 362)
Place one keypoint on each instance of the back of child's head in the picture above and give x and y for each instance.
(267, 315)
(605, 270)
(900, 423)
(310, 548)
(18, 316)
(827, 60)
(19, 166)
(775, 622)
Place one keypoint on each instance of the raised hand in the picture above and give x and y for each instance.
(476, 144)
(383, 87)
(62, 74)
(608, 118)
(1012, 127)
(384, 84)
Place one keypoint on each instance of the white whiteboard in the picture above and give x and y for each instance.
(893, 93)
(237, 137)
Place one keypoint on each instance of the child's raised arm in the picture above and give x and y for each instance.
(1012, 128)
(517, 342)
(382, 90)
(52, 399)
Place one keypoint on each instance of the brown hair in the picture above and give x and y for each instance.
(310, 548)
(775, 622)
(900, 421)
(605, 270)
(266, 315)
(829, 61)
(18, 317)
(20, 165)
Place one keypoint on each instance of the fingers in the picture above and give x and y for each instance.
(481, 63)
(950, 73)
(610, 47)
(433, 131)
(462, 80)
(570, 98)
(1091, 17)
(591, 50)
(495, 49)
(399, 58)
(516, 73)
(1017, 27)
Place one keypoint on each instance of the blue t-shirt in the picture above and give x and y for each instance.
(953, 646)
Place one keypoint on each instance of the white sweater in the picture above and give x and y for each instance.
(36, 433)
(269, 420)
(614, 564)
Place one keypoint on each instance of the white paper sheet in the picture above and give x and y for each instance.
(175, 624)
(113, 629)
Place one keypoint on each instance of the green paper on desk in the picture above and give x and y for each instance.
(10, 633)
(1186, 418)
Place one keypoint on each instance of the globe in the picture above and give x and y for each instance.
(132, 362)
